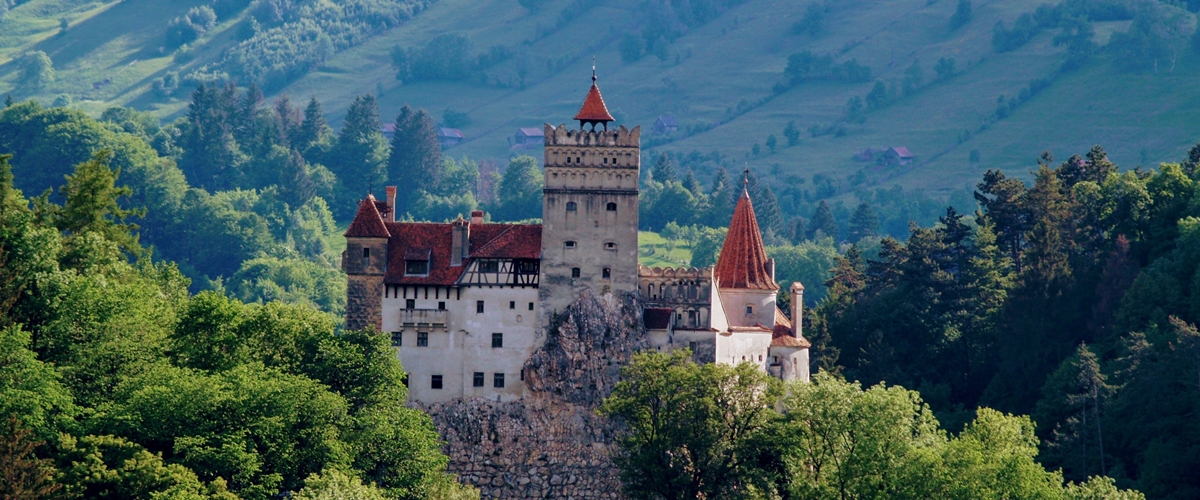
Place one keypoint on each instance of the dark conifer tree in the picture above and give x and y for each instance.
(664, 170)
(358, 157)
(22, 475)
(288, 119)
(1003, 200)
(416, 158)
(823, 222)
(864, 223)
(767, 209)
(691, 184)
(211, 157)
(722, 197)
(311, 129)
(799, 233)
(1070, 415)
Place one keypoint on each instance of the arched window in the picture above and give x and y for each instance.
(612, 207)
(572, 206)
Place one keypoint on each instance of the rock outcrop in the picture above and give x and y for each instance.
(551, 443)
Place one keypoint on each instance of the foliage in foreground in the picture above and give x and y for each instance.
(712, 431)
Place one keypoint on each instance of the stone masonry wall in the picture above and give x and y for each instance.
(550, 444)
(364, 302)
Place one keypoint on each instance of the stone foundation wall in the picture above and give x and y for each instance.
(551, 443)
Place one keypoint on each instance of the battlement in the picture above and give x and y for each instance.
(674, 272)
(621, 138)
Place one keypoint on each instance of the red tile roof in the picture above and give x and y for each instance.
(783, 337)
(368, 223)
(417, 239)
(743, 260)
(593, 109)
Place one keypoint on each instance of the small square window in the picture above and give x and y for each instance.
(749, 309)
(512, 304)
(612, 207)
(410, 303)
(435, 382)
(478, 380)
(422, 339)
(479, 307)
(498, 380)
(497, 340)
(397, 339)
(607, 273)
(569, 244)
(574, 272)
(441, 306)
(531, 306)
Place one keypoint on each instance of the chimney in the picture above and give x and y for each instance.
(771, 269)
(477, 217)
(460, 241)
(797, 309)
(391, 201)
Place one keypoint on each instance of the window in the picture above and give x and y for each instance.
(528, 267)
(410, 303)
(441, 306)
(574, 272)
(572, 206)
(366, 253)
(612, 207)
(749, 309)
(522, 374)
(498, 380)
(692, 347)
(397, 339)
(512, 304)
(569, 244)
(435, 382)
(478, 307)
(478, 380)
(497, 340)
(760, 357)
(610, 245)
(422, 339)
(531, 306)
(489, 266)
(404, 380)
(416, 267)
(607, 273)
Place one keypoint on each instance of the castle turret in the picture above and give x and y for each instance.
(745, 276)
(590, 207)
(365, 264)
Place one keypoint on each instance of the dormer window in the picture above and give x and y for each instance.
(416, 261)
(612, 207)
(572, 206)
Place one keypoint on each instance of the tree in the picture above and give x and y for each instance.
(962, 15)
(690, 426)
(721, 196)
(312, 129)
(823, 225)
(879, 96)
(1003, 201)
(864, 223)
(799, 234)
(663, 169)
(334, 484)
(416, 159)
(813, 21)
(791, 133)
(520, 194)
(358, 158)
(1073, 400)
(772, 142)
(770, 217)
(22, 475)
(93, 204)
(37, 70)
(113, 467)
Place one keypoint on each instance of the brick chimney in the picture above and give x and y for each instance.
(477, 217)
(391, 201)
(797, 309)
(460, 241)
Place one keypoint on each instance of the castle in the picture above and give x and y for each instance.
(467, 302)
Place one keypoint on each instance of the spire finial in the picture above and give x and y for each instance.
(593, 70)
(746, 182)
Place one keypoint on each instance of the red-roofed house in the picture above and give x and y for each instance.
(898, 155)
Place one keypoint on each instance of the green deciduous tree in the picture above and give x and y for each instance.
(37, 70)
(520, 194)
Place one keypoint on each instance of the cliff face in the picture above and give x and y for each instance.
(550, 444)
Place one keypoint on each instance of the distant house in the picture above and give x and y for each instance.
(897, 155)
(388, 130)
(665, 124)
(449, 137)
(529, 136)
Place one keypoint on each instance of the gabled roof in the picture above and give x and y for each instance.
(784, 335)
(901, 151)
(418, 239)
(368, 223)
(450, 132)
(531, 132)
(593, 109)
(743, 261)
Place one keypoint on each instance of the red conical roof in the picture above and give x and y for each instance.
(368, 223)
(743, 261)
(593, 109)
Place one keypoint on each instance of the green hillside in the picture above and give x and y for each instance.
(717, 74)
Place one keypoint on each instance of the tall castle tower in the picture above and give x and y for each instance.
(590, 207)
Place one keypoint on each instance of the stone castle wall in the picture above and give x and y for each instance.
(550, 444)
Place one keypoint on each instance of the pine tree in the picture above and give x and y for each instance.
(770, 218)
(864, 223)
(416, 159)
(312, 128)
(22, 475)
(799, 234)
(663, 170)
(721, 197)
(1003, 201)
(212, 158)
(1073, 401)
(93, 204)
(691, 184)
(823, 223)
(358, 157)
